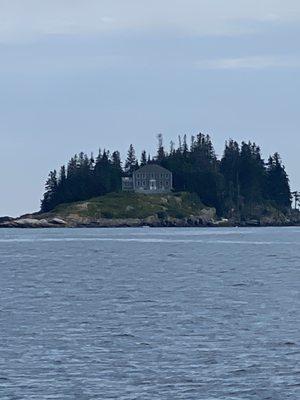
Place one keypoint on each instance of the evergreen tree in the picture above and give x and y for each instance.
(101, 174)
(234, 185)
(116, 171)
(252, 173)
(230, 169)
(131, 163)
(49, 200)
(278, 183)
(185, 148)
(296, 199)
(61, 191)
(116, 161)
(143, 158)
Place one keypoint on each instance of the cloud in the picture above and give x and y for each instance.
(30, 19)
(252, 62)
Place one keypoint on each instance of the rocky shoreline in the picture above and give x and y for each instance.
(36, 221)
(119, 210)
(30, 221)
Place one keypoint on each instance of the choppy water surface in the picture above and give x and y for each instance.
(150, 314)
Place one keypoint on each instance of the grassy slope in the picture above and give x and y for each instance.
(132, 205)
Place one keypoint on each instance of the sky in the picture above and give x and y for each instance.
(76, 75)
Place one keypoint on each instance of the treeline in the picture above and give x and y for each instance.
(239, 181)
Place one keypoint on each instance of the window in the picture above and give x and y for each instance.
(138, 183)
(144, 183)
(167, 183)
(138, 175)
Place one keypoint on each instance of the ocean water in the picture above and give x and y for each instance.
(150, 314)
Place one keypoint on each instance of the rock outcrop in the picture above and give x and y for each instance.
(5, 219)
(76, 222)
(136, 210)
(31, 222)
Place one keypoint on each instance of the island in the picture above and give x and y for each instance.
(188, 185)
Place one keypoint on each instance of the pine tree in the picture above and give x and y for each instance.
(252, 173)
(131, 163)
(278, 183)
(230, 169)
(62, 185)
(49, 200)
(237, 184)
(143, 158)
(102, 174)
(185, 148)
(116, 171)
(116, 161)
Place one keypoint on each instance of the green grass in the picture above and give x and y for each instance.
(133, 205)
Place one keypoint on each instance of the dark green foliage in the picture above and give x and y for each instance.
(296, 199)
(278, 188)
(236, 185)
(230, 169)
(249, 182)
(84, 179)
(143, 158)
(252, 173)
(50, 192)
(196, 170)
(131, 163)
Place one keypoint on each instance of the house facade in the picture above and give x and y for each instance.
(151, 178)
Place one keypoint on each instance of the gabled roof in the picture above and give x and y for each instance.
(152, 168)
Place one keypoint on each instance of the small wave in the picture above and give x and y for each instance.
(149, 240)
(125, 335)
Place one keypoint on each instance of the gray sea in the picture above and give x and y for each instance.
(150, 314)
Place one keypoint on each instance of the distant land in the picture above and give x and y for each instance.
(239, 189)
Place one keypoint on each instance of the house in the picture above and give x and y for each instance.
(151, 178)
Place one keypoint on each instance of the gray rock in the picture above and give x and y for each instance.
(57, 221)
(31, 223)
(6, 219)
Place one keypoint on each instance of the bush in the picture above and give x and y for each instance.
(107, 214)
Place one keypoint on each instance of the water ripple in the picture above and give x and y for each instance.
(150, 314)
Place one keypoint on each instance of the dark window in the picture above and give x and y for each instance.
(138, 183)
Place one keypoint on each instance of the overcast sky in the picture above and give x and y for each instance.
(82, 74)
